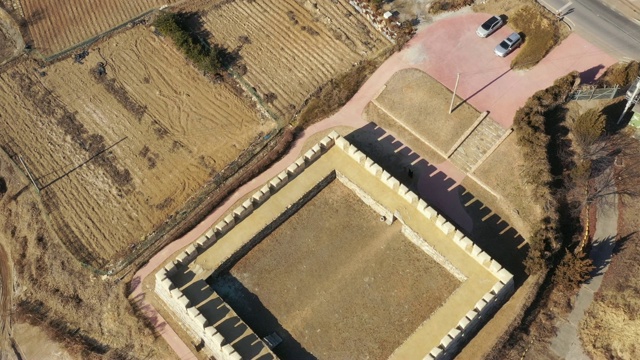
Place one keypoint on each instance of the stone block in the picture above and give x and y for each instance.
(294, 169)
(446, 228)
(471, 315)
(358, 156)
(435, 353)
(446, 340)
(300, 163)
(210, 331)
(504, 276)
(475, 250)
(311, 156)
(454, 333)
(342, 143)
(235, 356)
(261, 196)
(457, 236)
(390, 181)
(334, 135)
(316, 148)
(191, 249)
(218, 339)
(228, 349)
(326, 143)
(466, 244)
(241, 212)
(480, 305)
(229, 219)
(180, 259)
(488, 297)
(171, 269)
(193, 312)
(276, 184)
(175, 293)
(201, 321)
(161, 275)
(484, 259)
(374, 169)
(411, 197)
(184, 302)
(440, 220)
(494, 266)
(497, 287)
(462, 324)
(283, 176)
(204, 242)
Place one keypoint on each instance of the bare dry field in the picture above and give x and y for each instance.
(55, 25)
(421, 104)
(290, 50)
(116, 154)
(333, 287)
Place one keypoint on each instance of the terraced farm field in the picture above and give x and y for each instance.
(116, 154)
(291, 49)
(57, 25)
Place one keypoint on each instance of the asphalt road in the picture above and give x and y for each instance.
(602, 26)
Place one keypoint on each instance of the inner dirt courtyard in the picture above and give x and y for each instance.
(335, 282)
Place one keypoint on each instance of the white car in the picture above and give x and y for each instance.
(508, 45)
(490, 26)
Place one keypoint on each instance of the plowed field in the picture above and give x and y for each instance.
(57, 25)
(290, 49)
(116, 155)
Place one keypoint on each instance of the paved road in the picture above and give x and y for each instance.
(567, 343)
(609, 30)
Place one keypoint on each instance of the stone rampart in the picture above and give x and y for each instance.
(449, 345)
(488, 304)
(191, 318)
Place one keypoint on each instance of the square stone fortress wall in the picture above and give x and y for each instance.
(485, 284)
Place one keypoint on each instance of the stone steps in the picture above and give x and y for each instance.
(477, 144)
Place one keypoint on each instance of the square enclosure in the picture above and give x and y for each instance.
(335, 282)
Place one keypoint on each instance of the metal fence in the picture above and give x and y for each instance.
(594, 94)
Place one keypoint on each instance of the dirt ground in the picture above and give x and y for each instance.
(421, 104)
(56, 26)
(33, 343)
(292, 47)
(501, 172)
(71, 295)
(128, 147)
(356, 291)
(611, 326)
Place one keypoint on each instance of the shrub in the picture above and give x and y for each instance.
(534, 140)
(620, 74)
(588, 128)
(206, 58)
(439, 6)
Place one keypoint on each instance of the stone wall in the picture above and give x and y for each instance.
(449, 345)
(488, 304)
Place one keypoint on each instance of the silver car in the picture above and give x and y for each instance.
(508, 45)
(490, 26)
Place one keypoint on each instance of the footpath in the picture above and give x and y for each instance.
(567, 344)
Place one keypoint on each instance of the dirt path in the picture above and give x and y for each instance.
(6, 293)
(567, 344)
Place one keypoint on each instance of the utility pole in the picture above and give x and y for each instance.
(632, 97)
(28, 173)
(453, 97)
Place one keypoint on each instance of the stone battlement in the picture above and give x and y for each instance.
(454, 339)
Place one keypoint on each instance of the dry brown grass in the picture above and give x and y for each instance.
(95, 310)
(439, 6)
(620, 74)
(611, 327)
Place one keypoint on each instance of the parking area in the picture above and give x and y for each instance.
(451, 46)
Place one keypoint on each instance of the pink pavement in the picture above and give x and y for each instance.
(442, 50)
